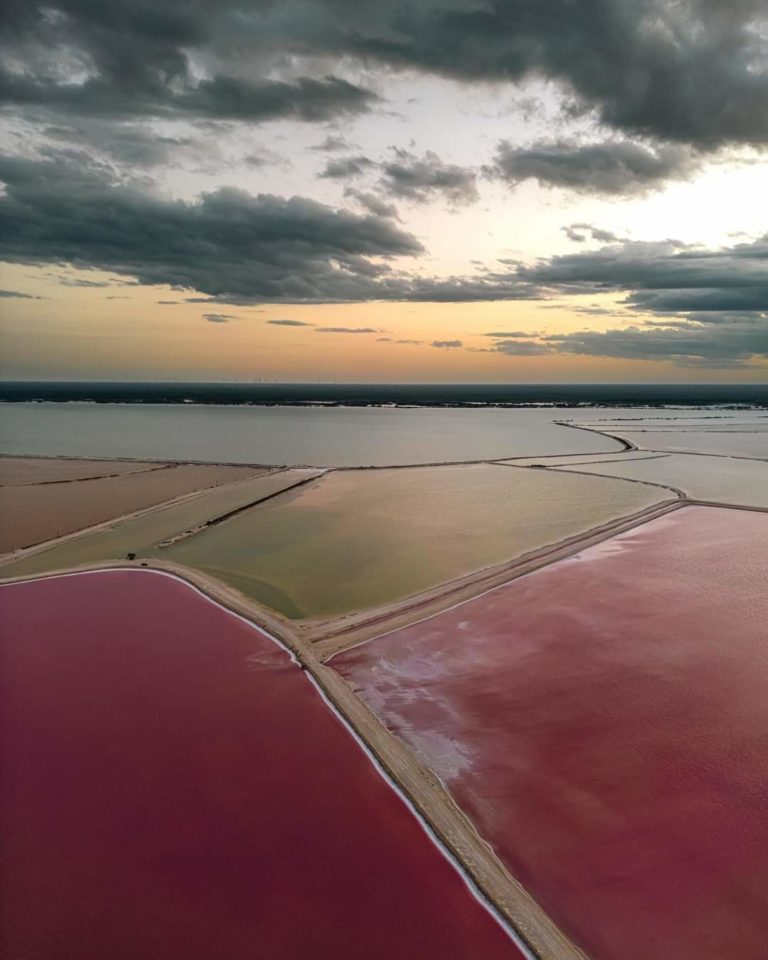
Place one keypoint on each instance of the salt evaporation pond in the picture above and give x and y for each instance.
(603, 721)
(175, 787)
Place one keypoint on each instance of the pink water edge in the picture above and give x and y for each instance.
(604, 722)
(175, 787)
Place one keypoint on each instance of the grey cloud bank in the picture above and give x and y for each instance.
(691, 71)
(613, 168)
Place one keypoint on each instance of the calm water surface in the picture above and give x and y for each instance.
(337, 436)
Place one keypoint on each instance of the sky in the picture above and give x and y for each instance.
(443, 190)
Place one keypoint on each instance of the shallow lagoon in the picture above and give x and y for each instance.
(336, 436)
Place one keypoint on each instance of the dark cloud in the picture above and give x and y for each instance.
(447, 344)
(421, 178)
(691, 71)
(581, 232)
(82, 282)
(219, 98)
(256, 160)
(521, 348)
(515, 335)
(230, 98)
(611, 168)
(129, 143)
(732, 343)
(596, 311)
(347, 330)
(372, 203)
(347, 167)
(663, 276)
(333, 143)
(227, 244)
(470, 289)
(16, 295)
(410, 342)
(290, 323)
(265, 158)
(720, 298)
(218, 317)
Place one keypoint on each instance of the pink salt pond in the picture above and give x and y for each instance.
(604, 722)
(175, 787)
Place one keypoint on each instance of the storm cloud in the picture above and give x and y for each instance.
(307, 99)
(692, 71)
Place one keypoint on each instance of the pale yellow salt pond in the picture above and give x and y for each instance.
(358, 539)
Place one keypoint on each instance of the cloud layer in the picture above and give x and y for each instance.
(692, 71)
(227, 244)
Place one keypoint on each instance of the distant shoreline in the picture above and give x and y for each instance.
(451, 396)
